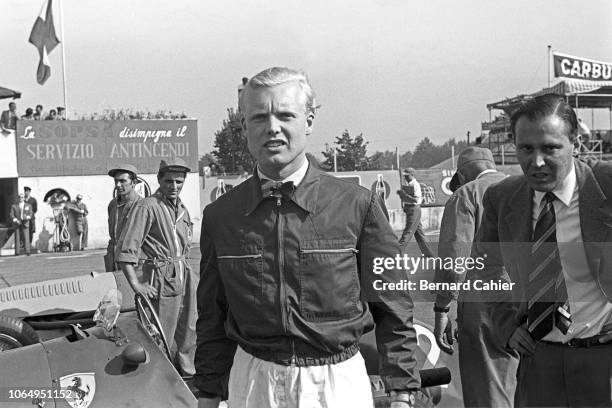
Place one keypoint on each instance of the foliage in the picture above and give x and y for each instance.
(231, 148)
(350, 153)
(427, 154)
(208, 160)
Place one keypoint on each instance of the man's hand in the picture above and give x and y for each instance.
(606, 338)
(145, 289)
(443, 332)
(522, 341)
(209, 402)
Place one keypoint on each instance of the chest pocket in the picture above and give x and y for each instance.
(329, 281)
(241, 270)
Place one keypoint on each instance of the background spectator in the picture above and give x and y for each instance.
(29, 114)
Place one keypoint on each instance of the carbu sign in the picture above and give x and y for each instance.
(567, 66)
(88, 147)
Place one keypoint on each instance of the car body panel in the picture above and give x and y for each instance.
(60, 296)
(117, 384)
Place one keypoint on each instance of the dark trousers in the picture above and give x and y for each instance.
(413, 227)
(32, 230)
(22, 232)
(562, 376)
(488, 369)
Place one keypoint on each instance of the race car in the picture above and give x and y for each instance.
(122, 359)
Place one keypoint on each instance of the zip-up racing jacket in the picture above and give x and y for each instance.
(290, 280)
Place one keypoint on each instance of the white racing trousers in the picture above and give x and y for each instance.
(256, 383)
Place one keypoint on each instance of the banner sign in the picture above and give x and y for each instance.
(90, 147)
(567, 66)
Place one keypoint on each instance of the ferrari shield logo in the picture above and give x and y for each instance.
(80, 389)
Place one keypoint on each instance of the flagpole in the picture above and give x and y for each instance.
(549, 50)
(61, 14)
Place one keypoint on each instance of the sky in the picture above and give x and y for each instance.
(394, 70)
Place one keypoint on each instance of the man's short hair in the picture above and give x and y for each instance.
(276, 76)
(546, 105)
(39, 106)
(408, 171)
(26, 188)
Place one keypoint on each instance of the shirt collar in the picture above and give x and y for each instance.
(297, 176)
(564, 191)
(130, 197)
(305, 197)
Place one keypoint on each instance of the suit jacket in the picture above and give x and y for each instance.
(9, 121)
(27, 214)
(504, 238)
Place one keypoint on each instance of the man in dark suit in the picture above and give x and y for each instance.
(21, 214)
(549, 233)
(8, 119)
(34, 204)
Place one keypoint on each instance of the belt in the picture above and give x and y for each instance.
(578, 343)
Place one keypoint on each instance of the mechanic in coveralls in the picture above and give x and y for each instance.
(119, 209)
(80, 220)
(160, 230)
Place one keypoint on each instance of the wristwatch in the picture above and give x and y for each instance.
(403, 396)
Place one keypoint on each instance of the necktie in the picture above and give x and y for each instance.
(271, 188)
(547, 291)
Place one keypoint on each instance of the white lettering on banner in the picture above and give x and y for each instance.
(68, 151)
(144, 134)
(565, 63)
(139, 150)
(572, 67)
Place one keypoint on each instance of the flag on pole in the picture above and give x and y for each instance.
(44, 39)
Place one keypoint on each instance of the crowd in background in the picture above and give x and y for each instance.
(8, 119)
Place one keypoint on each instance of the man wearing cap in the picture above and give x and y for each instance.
(286, 288)
(488, 371)
(412, 198)
(159, 229)
(32, 201)
(80, 218)
(119, 208)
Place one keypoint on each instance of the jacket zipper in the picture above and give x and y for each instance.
(281, 272)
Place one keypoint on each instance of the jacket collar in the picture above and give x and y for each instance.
(305, 195)
(132, 196)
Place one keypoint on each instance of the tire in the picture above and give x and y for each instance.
(15, 333)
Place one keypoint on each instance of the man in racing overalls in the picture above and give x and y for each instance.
(160, 229)
(119, 209)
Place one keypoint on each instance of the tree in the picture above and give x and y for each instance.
(382, 160)
(208, 160)
(350, 153)
(427, 154)
(231, 145)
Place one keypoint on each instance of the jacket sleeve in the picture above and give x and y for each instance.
(133, 235)
(110, 221)
(392, 310)
(488, 247)
(457, 230)
(215, 351)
